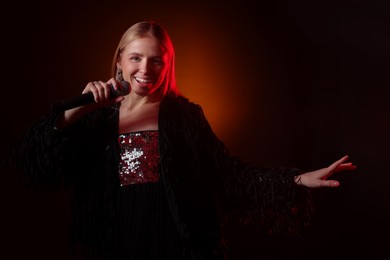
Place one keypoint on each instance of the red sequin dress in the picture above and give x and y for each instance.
(139, 157)
(146, 227)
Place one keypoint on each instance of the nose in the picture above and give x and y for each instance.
(144, 66)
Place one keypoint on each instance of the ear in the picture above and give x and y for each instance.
(118, 65)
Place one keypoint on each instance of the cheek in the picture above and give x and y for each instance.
(162, 71)
(129, 70)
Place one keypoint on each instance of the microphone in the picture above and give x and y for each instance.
(87, 98)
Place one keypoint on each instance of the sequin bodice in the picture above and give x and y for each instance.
(139, 157)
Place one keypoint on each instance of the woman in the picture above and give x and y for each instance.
(150, 179)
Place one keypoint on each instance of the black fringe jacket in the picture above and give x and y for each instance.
(205, 185)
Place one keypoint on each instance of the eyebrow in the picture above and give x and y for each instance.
(139, 54)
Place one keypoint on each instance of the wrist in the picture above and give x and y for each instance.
(297, 179)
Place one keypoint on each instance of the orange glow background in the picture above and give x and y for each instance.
(284, 83)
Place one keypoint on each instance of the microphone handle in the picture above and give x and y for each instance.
(83, 99)
(87, 98)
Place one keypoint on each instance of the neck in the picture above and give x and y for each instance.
(133, 101)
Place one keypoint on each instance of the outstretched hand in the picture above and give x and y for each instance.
(319, 178)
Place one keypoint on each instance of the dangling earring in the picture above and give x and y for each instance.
(119, 75)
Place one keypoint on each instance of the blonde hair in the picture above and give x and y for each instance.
(143, 29)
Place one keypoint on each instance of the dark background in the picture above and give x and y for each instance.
(288, 83)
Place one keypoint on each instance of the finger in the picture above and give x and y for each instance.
(107, 90)
(338, 162)
(92, 89)
(113, 82)
(98, 90)
(345, 167)
(330, 183)
(119, 99)
(103, 90)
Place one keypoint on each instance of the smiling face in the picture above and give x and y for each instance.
(151, 44)
(144, 65)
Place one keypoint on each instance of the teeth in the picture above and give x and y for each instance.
(142, 80)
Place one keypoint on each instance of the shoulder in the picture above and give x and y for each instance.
(180, 112)
(179, 104)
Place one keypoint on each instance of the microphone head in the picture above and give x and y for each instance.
(125, 88)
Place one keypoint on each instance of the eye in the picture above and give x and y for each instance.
(158, 61)
(135, 58)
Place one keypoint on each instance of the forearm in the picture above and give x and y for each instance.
(68, 117)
